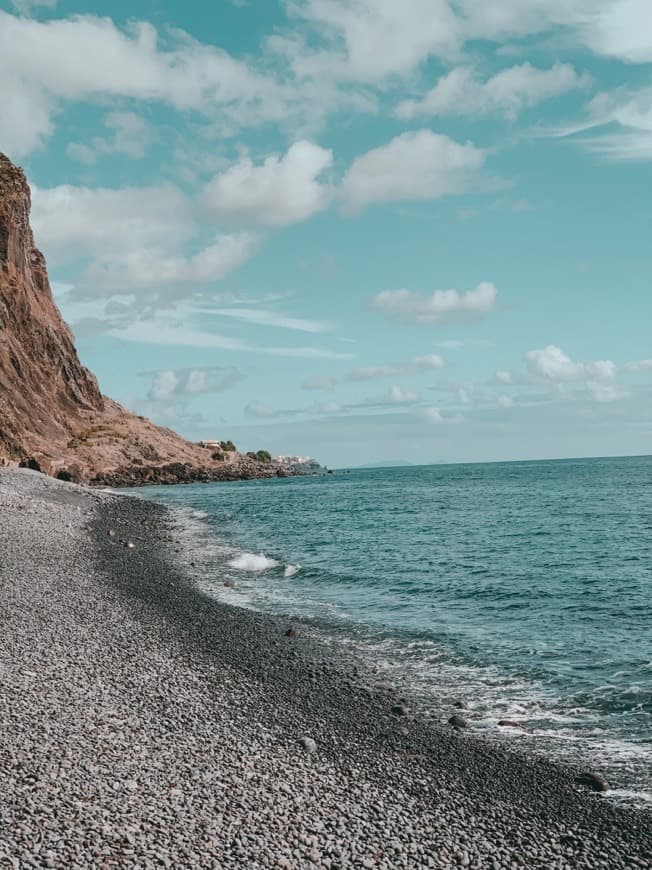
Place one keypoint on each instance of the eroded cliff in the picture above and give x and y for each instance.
(52, 413)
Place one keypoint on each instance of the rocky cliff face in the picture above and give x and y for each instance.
(44, 389)
(52, 414)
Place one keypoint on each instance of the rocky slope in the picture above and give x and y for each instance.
(53, 416)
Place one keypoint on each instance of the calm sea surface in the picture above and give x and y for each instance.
(524, 589)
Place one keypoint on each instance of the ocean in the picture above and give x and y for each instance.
(522, 590)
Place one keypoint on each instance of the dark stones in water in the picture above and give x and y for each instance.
(292, 633)
(459, 704)
(458, 722)
(593, 781)
(229, 584)
(384, 687)
(509, 723)
(400, 710)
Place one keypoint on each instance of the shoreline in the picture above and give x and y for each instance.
(249, 570)
(212, 703)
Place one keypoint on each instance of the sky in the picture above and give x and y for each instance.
(361, 230)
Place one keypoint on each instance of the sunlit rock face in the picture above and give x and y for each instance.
(53, 416)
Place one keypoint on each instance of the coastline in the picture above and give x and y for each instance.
(156, 726)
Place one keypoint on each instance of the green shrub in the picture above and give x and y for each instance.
(260, 455)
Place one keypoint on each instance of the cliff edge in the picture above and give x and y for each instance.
(53, 416)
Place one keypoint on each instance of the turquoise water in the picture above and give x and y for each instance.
(524, 589)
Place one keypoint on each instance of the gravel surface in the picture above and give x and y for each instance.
(143, 724)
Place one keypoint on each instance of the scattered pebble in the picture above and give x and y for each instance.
(308, 744)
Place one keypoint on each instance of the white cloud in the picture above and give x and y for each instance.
(136, 238)
(621, 29)
(612, 28)
(374, 42)
(325, 383)
(44, 64)
(603, 391)
(280, 191)
(368, 40)
(428, 361)
(131, 135)
(432, 414)
(505, 401)
(334, 54)
(595, 379)
(395, 395)
(260, 411)
(169, 384)
(419, 165)
(508, 92)
(75, 222)
(504, 377)
(440, 306)
(420, 363)
(154, 267)
(639, 365)
(552, 364)
(464, 394)
(327, 408)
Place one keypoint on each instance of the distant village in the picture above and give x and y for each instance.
(292, 464)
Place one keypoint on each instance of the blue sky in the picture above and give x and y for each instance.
(355, 229)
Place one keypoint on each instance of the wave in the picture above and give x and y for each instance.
(255, 563)
(291, 570)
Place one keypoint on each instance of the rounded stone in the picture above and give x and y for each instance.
(593, 781)
(308, 745)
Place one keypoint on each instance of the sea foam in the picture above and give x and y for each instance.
(255, 563)
(291, 570)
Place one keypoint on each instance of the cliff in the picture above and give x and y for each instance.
(52, 414)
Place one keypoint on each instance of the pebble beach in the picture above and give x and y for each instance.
(144, 724)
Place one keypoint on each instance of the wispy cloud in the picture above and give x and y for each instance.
(617, 125)
(319, 382)
(262, 317)
(428, 362)
(438, 307)
(184, 335)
